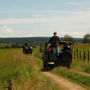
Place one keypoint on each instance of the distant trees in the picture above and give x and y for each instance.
(69, 38)
(86, 38)
(11, 45)
(16, 45)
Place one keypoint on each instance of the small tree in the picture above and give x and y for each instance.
(86, 38)
(69, 38)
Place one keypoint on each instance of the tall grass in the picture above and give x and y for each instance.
(79, 65)
(82, 65)
(24, 70)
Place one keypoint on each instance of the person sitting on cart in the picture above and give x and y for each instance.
(30, 46)
(26, 45)
(54, 43)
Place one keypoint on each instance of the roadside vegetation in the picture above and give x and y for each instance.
(73, 76)
(78, 65)
(24, 70)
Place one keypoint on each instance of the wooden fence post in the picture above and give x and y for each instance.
(9, 82)
(77, 53)
(80, 55)
(74, 55)
(88, 57)
(84, 55)
(41, 49)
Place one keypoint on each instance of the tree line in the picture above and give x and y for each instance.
(86, 38)
(18, 42)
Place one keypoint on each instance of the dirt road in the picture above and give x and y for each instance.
(62, 82)
(79, 72)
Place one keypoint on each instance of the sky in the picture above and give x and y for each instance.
(40, 18)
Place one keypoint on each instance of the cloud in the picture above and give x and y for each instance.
(87, 8)
(74, 34)
(78, 34)
(75, 23)
(72, 17)
(31, 20)
(6, 29)
(72, 3)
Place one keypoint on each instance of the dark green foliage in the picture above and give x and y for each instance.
(11, 45)
(16, 45)
(7, 46)
(69, 38)
(32, 40)
(87, 69)
(86, 38)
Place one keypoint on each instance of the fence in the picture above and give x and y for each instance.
(81, 55)
(9, 85)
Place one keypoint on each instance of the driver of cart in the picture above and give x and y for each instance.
(54, 43)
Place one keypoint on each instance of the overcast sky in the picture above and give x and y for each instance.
(31, 18)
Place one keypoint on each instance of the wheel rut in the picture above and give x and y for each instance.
(62, 82)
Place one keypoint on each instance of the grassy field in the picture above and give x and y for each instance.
(79, 65)
(73, 76)
(24, 70)
(82, 65)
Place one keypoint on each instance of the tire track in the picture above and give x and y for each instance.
(62, 82)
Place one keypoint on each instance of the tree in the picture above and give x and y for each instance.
(16, 45)
(69, 38)
(86, 38)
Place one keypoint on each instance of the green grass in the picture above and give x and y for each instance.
(37, 53)
(83, 80)
(24, 70)
(82, 65)
(79, 65)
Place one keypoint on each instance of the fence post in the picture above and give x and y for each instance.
(77, 53)
(84, 55)
(88, 56)
(40, 49)
(74, 55)
(80, 55)
(9, 82)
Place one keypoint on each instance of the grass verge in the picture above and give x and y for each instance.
(24, 70)
(80, 79)
(75, 77)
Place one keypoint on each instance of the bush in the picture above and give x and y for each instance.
(86, 38)
(69, 38)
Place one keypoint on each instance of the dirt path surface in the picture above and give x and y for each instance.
(79, 72)
(62, 82)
